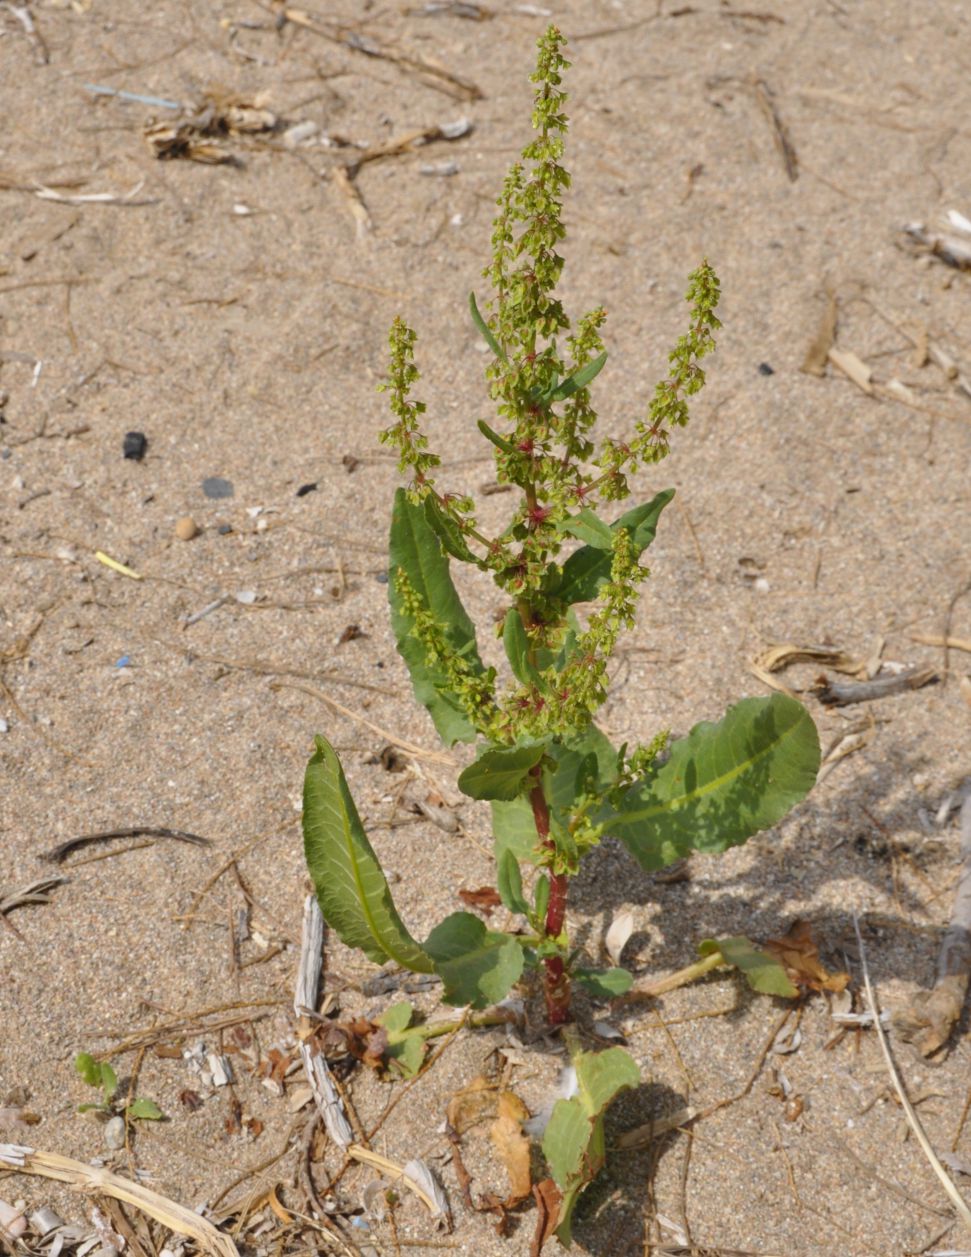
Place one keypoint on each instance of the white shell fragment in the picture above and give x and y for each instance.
(220, 1068)
(615, 940)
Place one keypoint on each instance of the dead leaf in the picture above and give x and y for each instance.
(798, 952)
(484, 899)
(615, 940)
(548, 1199)
(782, 654)
(351, 634)
(472, 1104)
(513, 1146)
(814, 362)
(641, 1136)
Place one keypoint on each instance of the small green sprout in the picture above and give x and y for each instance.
(100, 1074)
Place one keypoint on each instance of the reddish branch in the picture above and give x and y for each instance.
(556, 982)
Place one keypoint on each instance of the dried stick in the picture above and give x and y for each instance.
(93, 1179)
(913, 1120)
(841, 693)
(935, 1013)
(57, 854)
(325, 1094)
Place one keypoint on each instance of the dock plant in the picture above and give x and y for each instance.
(569, 565)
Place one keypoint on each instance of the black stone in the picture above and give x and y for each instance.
(306, 488)
(135, 445)
(765, 369)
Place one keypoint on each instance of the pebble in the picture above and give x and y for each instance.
(4, 726)
(186, 528)
(224, 529)
(115, 1133)
(765, 369)
(134, 445)
(246, 596)
(217, 487)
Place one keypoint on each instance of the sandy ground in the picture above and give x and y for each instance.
(237, 316)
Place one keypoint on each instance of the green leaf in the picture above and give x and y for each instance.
(498, 441)
(501, 772)
(88, 1068)
(762, 972)
(144, 1111)
(579, 379)
(406, 1043)
(448, 532)
(416, 551)
(484, 329)
(88, 1108)
(513, 825)
(517, 648)
(542, 897)
(351, 888)
(109, 1081)
(478, 966)
(589, 567)
(604, 983)
(574, 1141)
(589, 527)
(723, 783)
(509, 883)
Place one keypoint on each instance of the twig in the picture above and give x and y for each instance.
(190, 1023)
(913, 1120)
(432, 757)
(23, 16)
(841, 693)
(936, 639)
(315, 1066)
(353, 200)
(779, 133)
(34, 892)
(57, 854)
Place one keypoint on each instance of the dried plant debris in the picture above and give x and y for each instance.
(798, 953)
(950, 242)
(817, 355)
(933, 1015)
(839, 694)
(200, 133)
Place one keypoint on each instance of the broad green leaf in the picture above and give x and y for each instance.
(604, 983)
(574, 1141)
(514, 829)
(478, 966)
(351, 888)
(498, 441)
(723, 783)
(484, 329)
(448, 532)
(762, 972)
(579, 379)
(589, 527)
(144, 1111)
(509, 883)
(416, 551)
(586, 570)
(397, 1018)
(517, 648)
(501, 772)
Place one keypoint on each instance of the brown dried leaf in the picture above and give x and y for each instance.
(512, 1146)
(781, 655)
(799, 953)
(472, 1104)
(484, 899)
(548, 1199)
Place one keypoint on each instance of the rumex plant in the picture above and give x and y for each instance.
(556, 785)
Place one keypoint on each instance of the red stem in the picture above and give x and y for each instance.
(556, 983)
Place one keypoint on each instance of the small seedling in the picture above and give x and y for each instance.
(555, 784)
(100, 1074)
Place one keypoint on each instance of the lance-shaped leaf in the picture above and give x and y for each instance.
(764, 973)
(579, 379)
(501, 772)
(509, 883)
(589, 567)
(517, 648)
(415, 550)
(722, 784)
(351, 888)
(484, 329)
(498, 441)
(589, 527)
(478, 966)
(574, 1141)
(448, 532)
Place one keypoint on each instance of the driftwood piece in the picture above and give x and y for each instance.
(841, 693)
(325, 1093)
(934, 1014)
